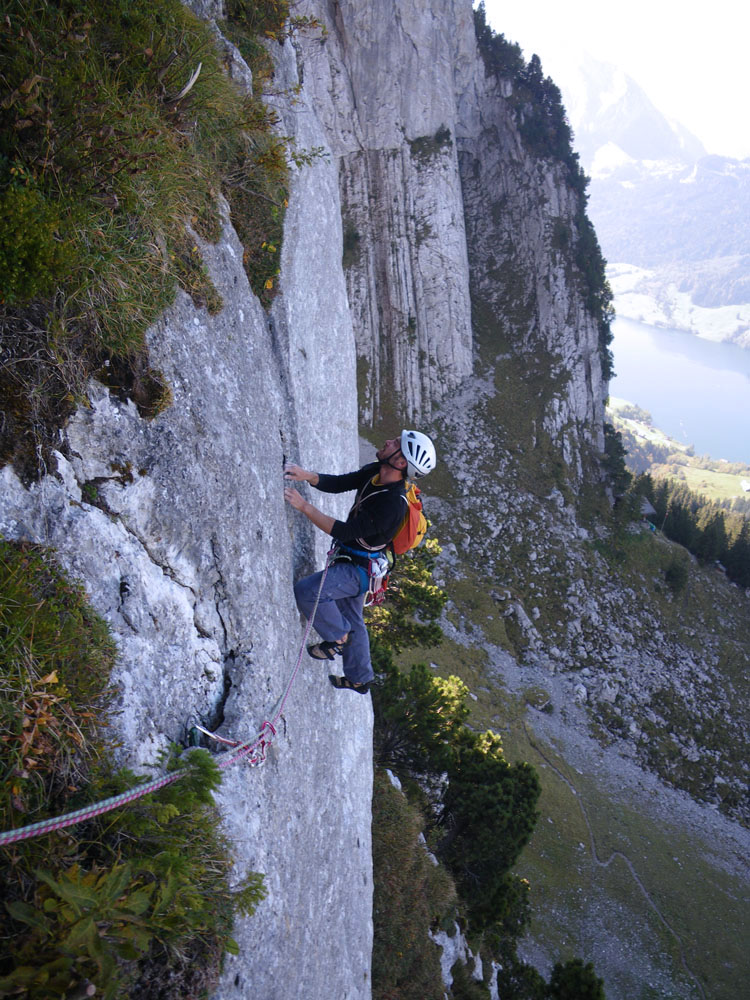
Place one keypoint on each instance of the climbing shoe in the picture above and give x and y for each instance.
(327, 650)
(344, 684)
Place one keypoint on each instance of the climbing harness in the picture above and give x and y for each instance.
(254, 751)
(374, 567)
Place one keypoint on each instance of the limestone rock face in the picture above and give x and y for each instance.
(514, 206)
(437, 185)
(179, 530)
(384, 86)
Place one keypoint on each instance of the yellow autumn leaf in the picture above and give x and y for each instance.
(50, 678)
(269, 283)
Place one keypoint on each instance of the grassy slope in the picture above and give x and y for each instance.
(660, 908)
(711, 483)
(596, 858)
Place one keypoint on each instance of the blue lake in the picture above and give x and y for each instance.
(697, 392)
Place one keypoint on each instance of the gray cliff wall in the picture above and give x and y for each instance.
(190, 554)
(442, 205)
(383, 84)
(515, 205)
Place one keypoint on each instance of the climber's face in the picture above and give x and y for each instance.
(391, 455)
(389, 450)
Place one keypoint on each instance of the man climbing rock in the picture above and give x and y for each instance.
(372, 522)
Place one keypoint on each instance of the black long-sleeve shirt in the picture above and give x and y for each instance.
(377, 512)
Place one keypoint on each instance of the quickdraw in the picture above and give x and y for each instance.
(378, 572)
(253, 754)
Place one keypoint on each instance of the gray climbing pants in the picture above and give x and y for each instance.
(340, 611)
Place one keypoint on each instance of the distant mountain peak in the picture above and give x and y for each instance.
(606, 108)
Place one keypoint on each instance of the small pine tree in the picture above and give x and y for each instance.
(575, 981)
(676, 576)
(411, 593)
(417, 716)
(711, 543)
(614, 461)
(488, 814)
(738, 557)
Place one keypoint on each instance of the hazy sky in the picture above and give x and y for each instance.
(690, 58)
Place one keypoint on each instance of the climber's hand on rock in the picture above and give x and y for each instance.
(293, 498)
(295, 472)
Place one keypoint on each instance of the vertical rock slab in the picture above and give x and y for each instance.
(188, 550)
(383, 84)
(406, 269)
(436, 184)
(521, 219)
(307, 812)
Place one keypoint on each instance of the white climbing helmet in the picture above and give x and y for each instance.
(419, 453)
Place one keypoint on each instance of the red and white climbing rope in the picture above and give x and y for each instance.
(253, 751)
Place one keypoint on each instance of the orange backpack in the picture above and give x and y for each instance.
(413, 528)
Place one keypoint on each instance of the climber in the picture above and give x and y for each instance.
(373, 520)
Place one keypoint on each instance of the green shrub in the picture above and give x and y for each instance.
(501, 57)
(417, 716)
(32, 255)
(464, 986)
(140, 906)
(574, 981)
(55, 657)
(613, 462)
(518, 981)
(487, 815)
(676, 576)
(137, 902)
(260, 17)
